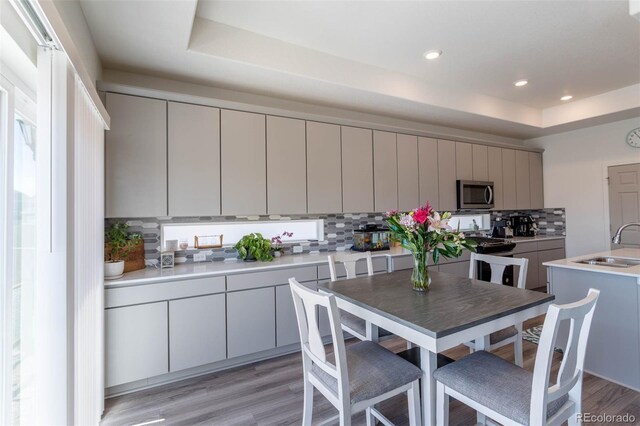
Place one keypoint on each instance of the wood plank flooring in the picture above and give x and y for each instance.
(270, 393)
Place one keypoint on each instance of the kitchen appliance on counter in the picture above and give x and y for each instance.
(524, 226)
(494, 247)
(370, 237)
(502, 229)
(474, 194)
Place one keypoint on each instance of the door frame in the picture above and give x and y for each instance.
(605, 207)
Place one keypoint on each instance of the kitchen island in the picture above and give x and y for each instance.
(613, 352)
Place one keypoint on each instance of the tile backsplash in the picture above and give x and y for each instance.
(338, 230)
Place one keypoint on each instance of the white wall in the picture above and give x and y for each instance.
(575, 171)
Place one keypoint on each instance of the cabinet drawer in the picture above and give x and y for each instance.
(400, 263)
(251, 321)
(270, 278)
(551, 244)
(464, 257)
(163, 291)
(525, 247)
(379, 265)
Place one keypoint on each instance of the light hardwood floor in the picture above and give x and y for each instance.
(270, 393)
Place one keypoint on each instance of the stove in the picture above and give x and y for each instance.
(487, 245)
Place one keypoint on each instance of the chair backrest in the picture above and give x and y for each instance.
(306, 303)
(569, 380)
(498, 265)
(349, 261)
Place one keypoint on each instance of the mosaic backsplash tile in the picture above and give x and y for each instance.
(338, 230)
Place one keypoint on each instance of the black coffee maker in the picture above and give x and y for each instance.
(523, 226)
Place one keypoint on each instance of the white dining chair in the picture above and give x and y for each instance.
(353, 378)
(512, 334)
(352, 324)
(512, 395)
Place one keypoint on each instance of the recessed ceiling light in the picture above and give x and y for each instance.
(566, 98)
(520, 83)
(432, 54)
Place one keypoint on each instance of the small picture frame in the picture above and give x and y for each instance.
(207, 241)
(167, 259)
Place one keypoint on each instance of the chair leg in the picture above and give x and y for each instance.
(517, 350)
(413, 397)
(371, 420)
(307, 410)
(442, 406)
(345, 416)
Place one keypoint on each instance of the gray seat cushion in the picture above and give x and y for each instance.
(495, 383)
(358, 324)
(372, 369)
(500, 335)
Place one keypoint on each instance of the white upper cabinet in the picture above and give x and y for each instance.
(535, 180)
(509, 198)
(447, 175)
(495, 175)
(324, 168)
(408, 172)
(136, 157)
(428, 171)
(523, 185)
(193, 160)
(244, 174)
(385, 171)
(357, 170)
(480, 163)
(464, 161)
(286, 166)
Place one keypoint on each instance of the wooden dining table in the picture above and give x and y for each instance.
(455, 310)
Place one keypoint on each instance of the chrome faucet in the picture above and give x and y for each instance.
(617, 238)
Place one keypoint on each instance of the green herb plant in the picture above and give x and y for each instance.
(254, 246)
(120, 241)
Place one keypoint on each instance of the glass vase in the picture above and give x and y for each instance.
(420, 277)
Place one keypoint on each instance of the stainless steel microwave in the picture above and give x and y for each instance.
(474, 194)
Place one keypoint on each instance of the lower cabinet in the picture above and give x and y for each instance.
(286, 322)
(197, 331)
(136, 342)
(547, 256)
(460, 269)
(251, 316)
(532, 270)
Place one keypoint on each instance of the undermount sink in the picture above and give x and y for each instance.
(615, 262)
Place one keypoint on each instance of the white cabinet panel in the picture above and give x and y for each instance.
(535, 183)
(480, 163)
(197, 331)
(193, 160)
(509, 201)
(495, 175)
(286, 166)
(523, 190)
(251, 316)
(447, 175)
(385, 171)
(428, 169)
(532, 270)
(324, 168)
(408, 172)
(136, 157)
(136, 343)
(357, 170)
(286, 323)
(464, 161)
(460, 269)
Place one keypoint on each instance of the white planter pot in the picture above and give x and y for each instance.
(113, 269)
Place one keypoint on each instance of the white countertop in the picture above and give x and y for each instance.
(628, 253)
(536, 238)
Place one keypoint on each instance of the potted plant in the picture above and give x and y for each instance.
(276, 243)
(118, 245)
(254, 247)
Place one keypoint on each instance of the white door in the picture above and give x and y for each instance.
(624, 201)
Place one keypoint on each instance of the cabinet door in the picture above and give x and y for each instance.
(428, 170)
(136, 342)
(532, 270)
(197, 331)
(408, 176)
(357, 170)
(460, 269)
(286, 166)
(244, 174)
(535, 183)
(464, 161)
(547, 256)
(193, 160)
(324, 168)
(480, 163)
(447, 175)
(385, 171)
(251, 321)
(523, 192)
(136, 157)
(508, 179)
(495, 175)
(286, 322)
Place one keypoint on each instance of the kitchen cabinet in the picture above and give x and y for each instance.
(385, 171)
(535, 183)
(244, 174)
(251, 319)
(532, 269)
(547, 256)
(136, 341)
(197, 331)
(357, 170)
(464, 161)
(428, 171)
(408, 172)
(286, 322)
(193, 147)
(447, 175)
(286, 166)
(509, 201)
(523, 190)
(136, 157)
(460, 269)
(494, 162)
(480, 163)
(324, 168)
